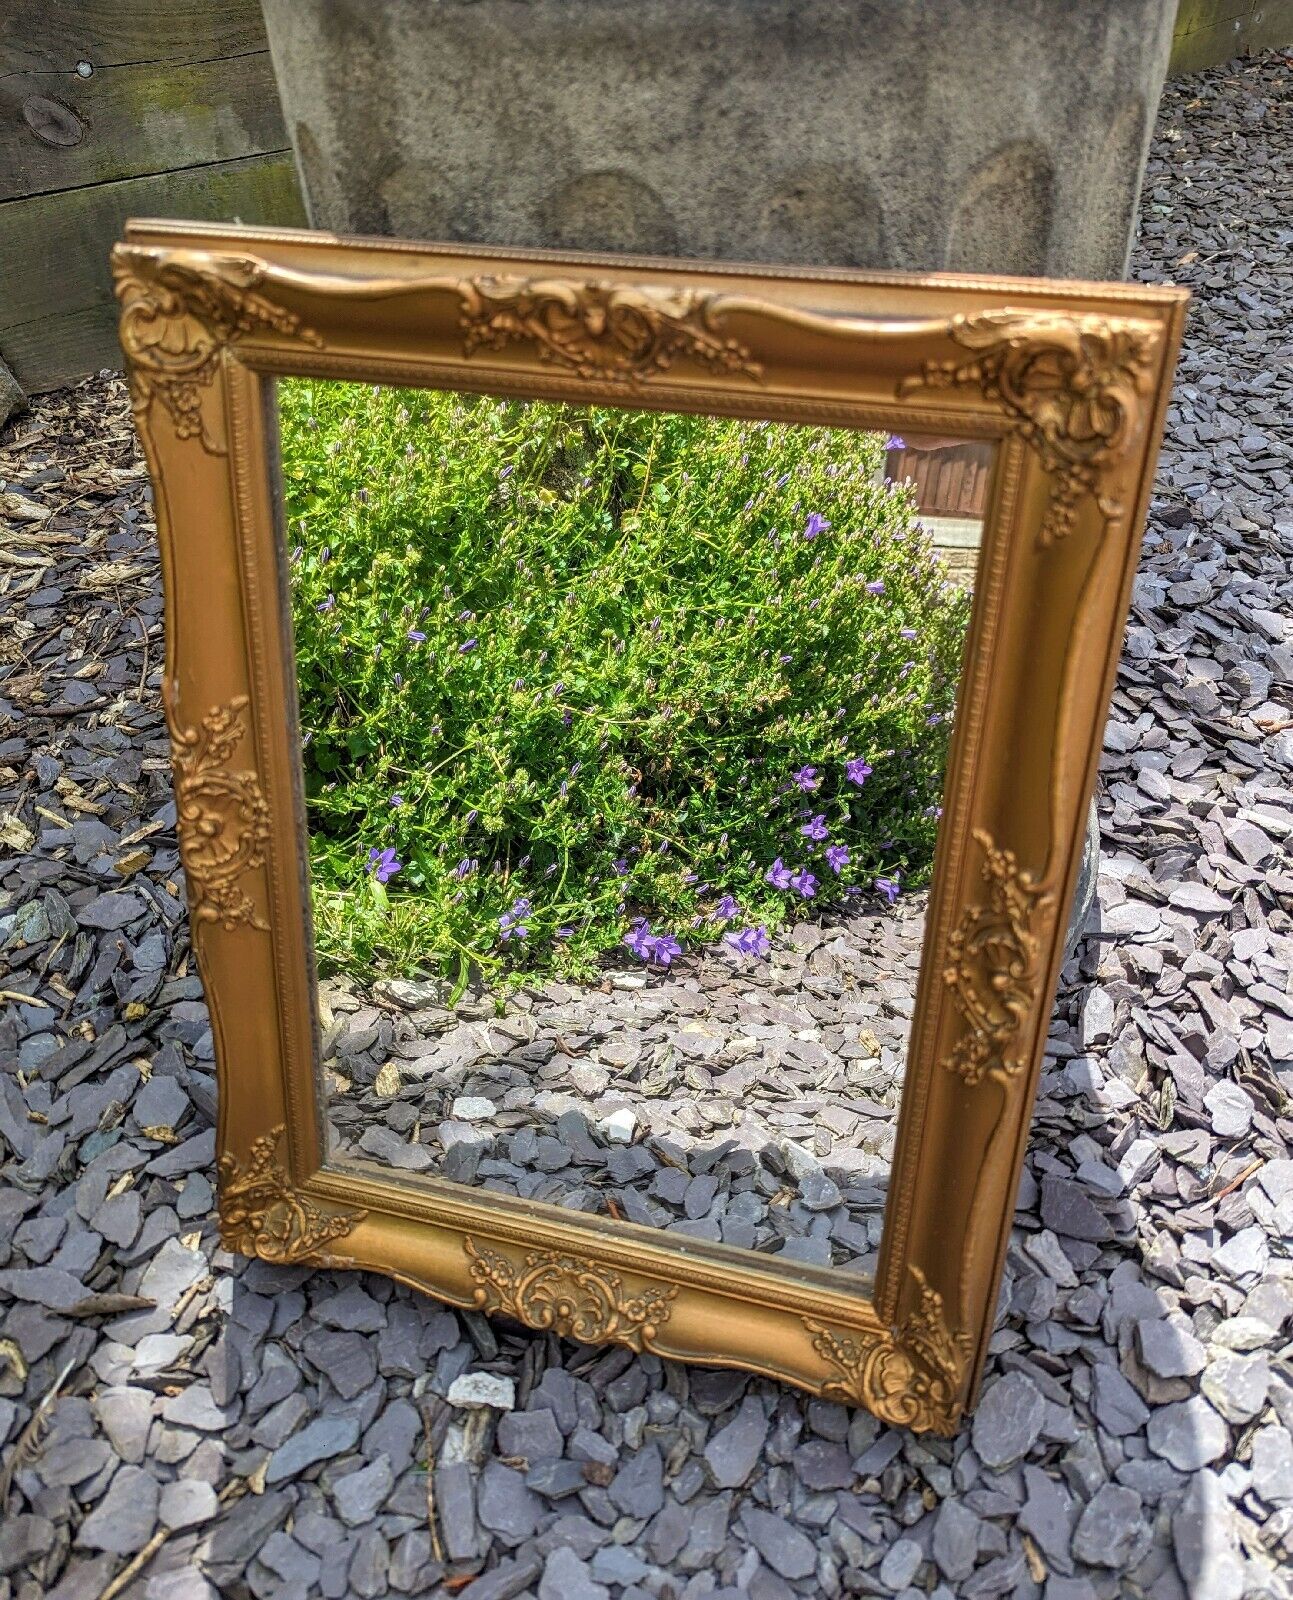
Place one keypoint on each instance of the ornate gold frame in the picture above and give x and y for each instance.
(1071, 379)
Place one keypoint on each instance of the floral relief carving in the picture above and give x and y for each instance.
(994, 969)
(599, 330)
(262, 1215)
(570, 1296)
(222, 817)
(912, 1376)
(178, 312)
(1072, 386)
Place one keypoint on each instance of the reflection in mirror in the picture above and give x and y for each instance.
(623, 738)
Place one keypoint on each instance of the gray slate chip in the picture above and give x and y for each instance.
(779, 1542)
(1008, 1421)
(319, 1440)
(125, 1519)
(733, 1452)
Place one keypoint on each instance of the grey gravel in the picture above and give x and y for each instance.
(1139, 1441)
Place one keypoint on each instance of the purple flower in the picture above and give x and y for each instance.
(837, 857)
(564, 933)
(507, 929)
(465, 867)
(416, 636)
(888, 887)
(328, 604)
(468, 644)
(382, 863)
(933, 719)
(778, 874)
(648, 946)
(398, 680)
(804, 883)
(749, 941)
(857, 771)
(726, 908)
(620, 867)
(816, 829)
(893, 442)
(396, 800)
(908, 633)
(520, 906)
(877, 587)
(816, 524)
(806, 778)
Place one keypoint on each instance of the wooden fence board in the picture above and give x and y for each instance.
(59, 131)
(1211, 31)
(54, 35)
(175, 113)
(58, 317)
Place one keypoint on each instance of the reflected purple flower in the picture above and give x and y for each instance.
(382, 864)
(778, 874)
(749, 941)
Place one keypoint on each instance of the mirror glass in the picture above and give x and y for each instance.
(623, 737)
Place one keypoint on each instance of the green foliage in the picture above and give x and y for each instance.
(587, 649)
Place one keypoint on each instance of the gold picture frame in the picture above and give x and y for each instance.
(1071, 381)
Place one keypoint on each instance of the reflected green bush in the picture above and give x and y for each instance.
(563, 669)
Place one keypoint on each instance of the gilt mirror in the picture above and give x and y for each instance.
(633, 724)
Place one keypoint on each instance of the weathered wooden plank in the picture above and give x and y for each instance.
(1211, 31)
(57, 313)
(61, 131)
(54, 35)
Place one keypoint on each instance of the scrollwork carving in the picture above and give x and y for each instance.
(569, 1296)
(262, 1215)
(599, 330)
(994, 969)
(1072, 386)
(177, 314)
(222, 817)
(912, 1376)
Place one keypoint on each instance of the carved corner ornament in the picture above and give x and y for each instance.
(177, 315)
(222, 817)
(262, 1215)
(624, 334)
(994, 969)
(1071, 385)
(569, 1296)
(912, 1376)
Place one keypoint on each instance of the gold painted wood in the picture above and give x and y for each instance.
(1070, 380)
